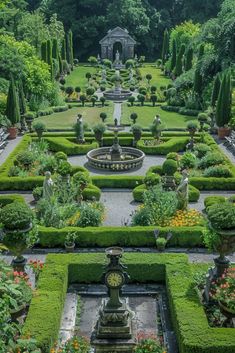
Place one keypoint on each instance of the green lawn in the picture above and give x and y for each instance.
(158, 78)
(78, 76)
(65, 120)
(147, 113)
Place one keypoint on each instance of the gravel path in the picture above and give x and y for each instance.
(11, 145)
(119, 205)
(117, 113)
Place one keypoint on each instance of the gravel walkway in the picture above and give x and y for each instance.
(117, 113)
(119, 205)
(11, 145)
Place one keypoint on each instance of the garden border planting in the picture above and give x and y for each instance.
(43, 320)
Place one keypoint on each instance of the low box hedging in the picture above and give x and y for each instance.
(63, 144)
(193, 333)
(117, 181)
(6, 199)
(174, 144)
(121, 236)
(138, 193)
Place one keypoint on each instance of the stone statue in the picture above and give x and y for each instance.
(48, 186)
(157, 120)
(131, 74)
(98, 59)
(182, 191)
(117, 57)
(103, 75)
(80, 129)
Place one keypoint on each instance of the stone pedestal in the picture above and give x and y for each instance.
(114, 331)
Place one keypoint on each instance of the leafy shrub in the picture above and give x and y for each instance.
(151, 180)
(221, 215)
(159, 207)
(219, 171)
(189, 112)
(25, 159)
(201, 149)
(172, 155)
(188, 160)
(169, 167)
(90, 216)
(61, 156)
(37, 193)
(211, 159)
(64, 168)
(16, 216)
(211, 200)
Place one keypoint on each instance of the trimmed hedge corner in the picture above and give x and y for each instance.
(193, 333)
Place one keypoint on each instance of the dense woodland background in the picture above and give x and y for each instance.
(89, 20)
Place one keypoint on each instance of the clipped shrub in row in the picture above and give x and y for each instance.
(117, 181)
(121, 236)
(7, 199)
(138, 193)
(174, 144)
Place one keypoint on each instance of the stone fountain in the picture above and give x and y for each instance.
(118, 93)
(116, 158)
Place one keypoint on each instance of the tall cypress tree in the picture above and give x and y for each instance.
(189, 59)
(55, 51)
(61, 65)
(201, 51)
(165, 46)
(179, 61)
(173, 55)
(63, 50)
(69, 47)
(12, 108)
(223, 107)
(22, 101)
(44, 51)
(215, 91)
(49, 52)
(198, 79)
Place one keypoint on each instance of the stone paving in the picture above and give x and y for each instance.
(11, 145)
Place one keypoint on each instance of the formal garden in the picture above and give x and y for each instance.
(117, 177)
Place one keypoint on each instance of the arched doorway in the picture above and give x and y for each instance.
(117, 47)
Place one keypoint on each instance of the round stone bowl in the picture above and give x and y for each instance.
(117, 95)
(100, 158)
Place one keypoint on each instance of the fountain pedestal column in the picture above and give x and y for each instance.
(114, 331)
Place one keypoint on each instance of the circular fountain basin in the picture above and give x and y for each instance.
(100, 158)
(117, 95)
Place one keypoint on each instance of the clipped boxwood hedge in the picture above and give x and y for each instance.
(117, 181)
(173, 144)
(193, 333)
(121, 236)
(57, 144)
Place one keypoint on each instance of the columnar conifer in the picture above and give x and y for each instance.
(12, 108)
(165, 46)
(173, 55)
(179, 61)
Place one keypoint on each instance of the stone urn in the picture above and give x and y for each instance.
(224, 248)
(223, 131)
(12, 131)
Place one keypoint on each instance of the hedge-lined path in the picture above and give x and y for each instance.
(11, 145)
(119, 205)
(149, 161)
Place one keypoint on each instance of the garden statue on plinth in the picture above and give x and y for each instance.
(80, 129)
(103, 74)
(182, 191)
(48, 186)
(114, 331)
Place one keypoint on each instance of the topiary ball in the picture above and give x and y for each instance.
(16, 216)
(169, 167)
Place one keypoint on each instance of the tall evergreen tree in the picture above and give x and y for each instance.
(188, 59)
(223, 107)
(55, 51)
(22, 101)
(69, 47)
(215, 91)
(173, 55)
(44, 51)
(63, 50)
(201, 51)
(12, 108)
(49, 52)
(165, 46)
(61, 69)
(179, 61)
